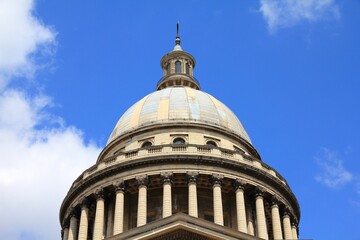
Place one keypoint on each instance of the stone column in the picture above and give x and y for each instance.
(287, 226)
(119, 207)
(260, 215)
(142, 200)
(99, 216)
(240, 206)
(294, 231)
(167, 203)
(275, 218)
(73, 227)
(193, 204)
(217, 199)
(84, 220)
(65, 232)
(250, 218)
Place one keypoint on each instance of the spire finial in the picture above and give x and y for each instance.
(177, 29)
(177, 39)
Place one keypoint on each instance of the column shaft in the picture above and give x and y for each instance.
(260, 217)
(142, 208)
(84, 222)
(193, 205)
(276, 223)
(218, 208)
(119, 213)
(240, 211)
(99, 219)
(294, 232)
(167, 207)
(66, 233)
(287, 227)
(73, 228)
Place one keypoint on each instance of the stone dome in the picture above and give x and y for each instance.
(178, 104)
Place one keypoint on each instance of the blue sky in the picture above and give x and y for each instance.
(289, 69)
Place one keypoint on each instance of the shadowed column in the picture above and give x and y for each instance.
(193, 203)
(119, 207)
(142, 201)
(260, 215)
(99, 216)
(240, 206)
(84, 220)
(167, 204)
(217, 199)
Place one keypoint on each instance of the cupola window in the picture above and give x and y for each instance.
(168, 69)
(177, 67)
(187, 68)
(179, 141)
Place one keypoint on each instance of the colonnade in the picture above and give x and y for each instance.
(282, 226)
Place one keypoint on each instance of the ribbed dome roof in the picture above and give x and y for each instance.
(174, 104)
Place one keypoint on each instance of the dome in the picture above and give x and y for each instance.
(178, 103)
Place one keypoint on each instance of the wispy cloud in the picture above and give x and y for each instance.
(40, 154)
(333, 173)
(287, 13)
(24, 40)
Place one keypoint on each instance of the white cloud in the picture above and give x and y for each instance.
(23, 39)
(287, 13)
(333, 173)
(40, 155)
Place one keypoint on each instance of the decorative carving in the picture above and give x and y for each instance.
(142, 180)
(216, 179)
(274, 201)
(99, 193)
(239, 184)
(119, 186)
(192, 177)
(84, 202)
(167, 177)
(286, 212)
(259, 192)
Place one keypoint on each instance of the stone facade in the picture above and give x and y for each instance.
(179, 161)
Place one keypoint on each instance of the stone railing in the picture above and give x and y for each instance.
(188, 149)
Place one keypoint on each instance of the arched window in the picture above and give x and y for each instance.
(146, 144)
(211, 143)
(177, 67)
(168, 69)
(187, 68)
(179, 141)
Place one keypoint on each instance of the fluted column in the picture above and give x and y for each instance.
(73, 227)
(142, 200)
(65, 233)
(250, 223)
(99, 216)
(294, 231)
(260, 215)
(167, 204)
(275, 218)
(287, 226)
(217, 199)
(193, 204)
(84, 221)
(119, 208)
(240, 206)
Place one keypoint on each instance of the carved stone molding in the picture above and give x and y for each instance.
(142, 180)
(239, 184)
(167, 177)
(119, 186)
(99, 193)
(259, 192)
(192, 177)
(216, 179)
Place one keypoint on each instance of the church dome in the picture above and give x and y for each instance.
(178, 104)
